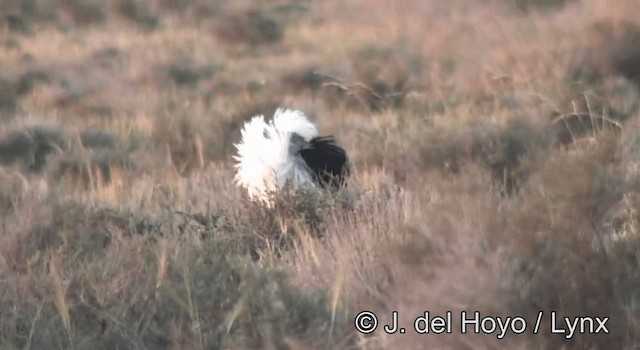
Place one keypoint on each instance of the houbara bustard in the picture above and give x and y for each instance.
(287, 152)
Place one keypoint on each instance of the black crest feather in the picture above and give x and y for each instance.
(327, 161)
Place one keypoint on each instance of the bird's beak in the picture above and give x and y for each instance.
(306, 145)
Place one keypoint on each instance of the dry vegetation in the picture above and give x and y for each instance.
(496, 152)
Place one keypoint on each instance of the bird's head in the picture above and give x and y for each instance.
(297, 143)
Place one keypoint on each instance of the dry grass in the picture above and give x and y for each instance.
(495, 150)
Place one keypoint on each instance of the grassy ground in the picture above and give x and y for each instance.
(495, 147)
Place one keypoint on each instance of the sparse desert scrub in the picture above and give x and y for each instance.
(495, 161)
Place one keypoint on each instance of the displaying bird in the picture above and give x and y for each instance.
(287, 151)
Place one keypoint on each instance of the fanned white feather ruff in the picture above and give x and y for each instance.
(265, 163)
